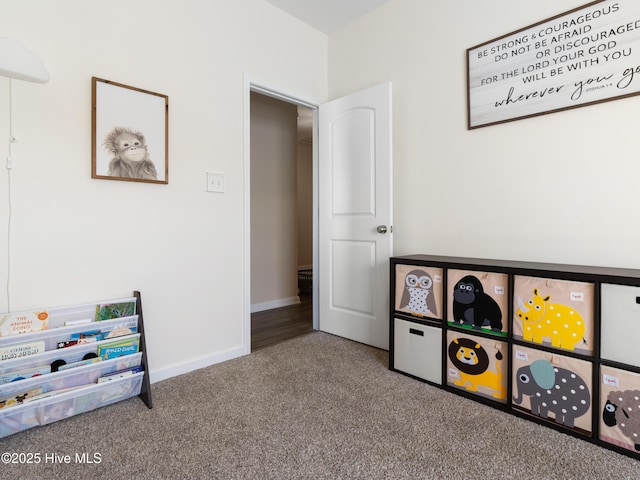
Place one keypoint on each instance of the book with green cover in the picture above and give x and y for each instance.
(107, 311)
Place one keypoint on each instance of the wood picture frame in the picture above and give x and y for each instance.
(582, 57)
(129, 133)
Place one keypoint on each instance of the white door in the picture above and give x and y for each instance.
(355, 190)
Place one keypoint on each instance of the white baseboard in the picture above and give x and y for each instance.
(282, 302)
(185, 367)
(195, 364)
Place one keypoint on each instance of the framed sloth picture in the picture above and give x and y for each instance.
(129, 133)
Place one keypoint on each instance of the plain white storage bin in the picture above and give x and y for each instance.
(620, 323)
(67, 404)
(417, 350)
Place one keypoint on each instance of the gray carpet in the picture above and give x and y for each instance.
(314, 407)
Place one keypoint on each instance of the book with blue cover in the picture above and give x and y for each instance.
(23, 374)
(119, 348)
(97, 334)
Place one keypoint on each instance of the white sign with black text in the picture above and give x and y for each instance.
(585, 56)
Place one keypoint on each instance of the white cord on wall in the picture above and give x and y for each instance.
(19, 63)
(12, 140)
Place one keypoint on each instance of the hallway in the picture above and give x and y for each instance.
(273, 326)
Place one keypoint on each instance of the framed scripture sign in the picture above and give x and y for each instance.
(129, 133)
(585, 56)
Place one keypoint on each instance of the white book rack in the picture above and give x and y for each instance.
(28, 401)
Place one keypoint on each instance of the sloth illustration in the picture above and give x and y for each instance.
(130, 156)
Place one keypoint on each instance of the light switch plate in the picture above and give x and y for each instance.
(215, 182)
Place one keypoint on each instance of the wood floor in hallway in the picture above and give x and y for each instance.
(273, 326)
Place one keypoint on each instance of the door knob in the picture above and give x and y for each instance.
(381, 229)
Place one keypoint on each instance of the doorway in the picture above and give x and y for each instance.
(281, 219)
(354, 132)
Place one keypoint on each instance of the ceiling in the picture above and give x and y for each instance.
(327, 15)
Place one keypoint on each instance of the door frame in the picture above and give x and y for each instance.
(252, 85)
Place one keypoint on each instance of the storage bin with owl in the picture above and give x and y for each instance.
(620, 408)
(419, 291)
(553, 387)
(478, 301)
(556, 313)
(478, 365)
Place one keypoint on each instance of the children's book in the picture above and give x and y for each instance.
(24, 322)
(18, 398)
(81, 321)
(21, 350)
(107, 311)
(118, 348)
(79, 363)
(22, 374)
(100, 335)
(51, 393)
(120, 332)
(71, 343)
(120, 374)
(97, 334)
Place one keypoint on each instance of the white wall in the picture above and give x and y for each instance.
(75, 239)
(274, 222)
(556, 188)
